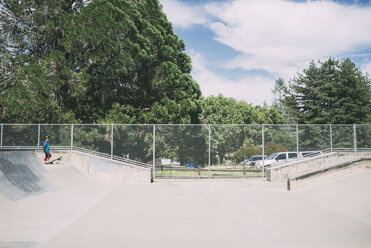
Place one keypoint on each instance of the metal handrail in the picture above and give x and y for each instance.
(131, 161)
(84, 150)
(116, 158)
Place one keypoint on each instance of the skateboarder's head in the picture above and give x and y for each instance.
(47, 138)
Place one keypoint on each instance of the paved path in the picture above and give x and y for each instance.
(79, 212)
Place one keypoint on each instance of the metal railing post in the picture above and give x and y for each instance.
(112, 141)
(355, 137)
(209, 151)
(71, 136)
(263, 149)
(330, 137)
(154, 151)
(38, 137)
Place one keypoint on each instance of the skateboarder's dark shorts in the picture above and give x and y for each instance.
(47, 156)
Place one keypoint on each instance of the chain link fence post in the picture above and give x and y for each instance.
(330, 137)
(154, 151)
(209, 151)
(112, 141)
(1, 136)
(71, 136)
(297, 141)
(38, 137)
(263, 150)
(355, 137)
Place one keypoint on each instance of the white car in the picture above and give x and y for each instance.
(278, 157)
(253, 160)
(285, 156)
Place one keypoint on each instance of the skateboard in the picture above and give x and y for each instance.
(57, 159)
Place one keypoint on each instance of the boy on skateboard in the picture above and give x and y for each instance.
(47, 150)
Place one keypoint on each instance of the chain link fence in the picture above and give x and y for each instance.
(190, 151)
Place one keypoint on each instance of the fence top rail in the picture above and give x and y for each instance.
(146, 124)
(19, 124)
(34, 124)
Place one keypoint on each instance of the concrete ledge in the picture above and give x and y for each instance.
(314, 177)
(281, 172)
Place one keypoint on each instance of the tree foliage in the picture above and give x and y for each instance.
(271, 147)
(334, 91)
(183, 143)
(103, 61)
(225, 110)
(244, 151)
(226, 139)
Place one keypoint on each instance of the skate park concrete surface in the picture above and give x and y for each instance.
(61, 205)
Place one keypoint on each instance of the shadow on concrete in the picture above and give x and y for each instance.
(21, 176)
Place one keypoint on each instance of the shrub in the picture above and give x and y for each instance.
(272, 147)
(244, 151)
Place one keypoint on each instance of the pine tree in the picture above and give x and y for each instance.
(335, 91)
(280, 90)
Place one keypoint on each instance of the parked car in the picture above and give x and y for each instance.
(285, 156)
(278, 157)
(253, 159)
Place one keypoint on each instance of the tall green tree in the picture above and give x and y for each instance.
(334, 91)
(279, 91)
(29, 33)
(96, 61)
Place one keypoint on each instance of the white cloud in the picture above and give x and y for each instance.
(366, 68)
(252, 89)
(278, 36)
(282, 36)
(183, 15)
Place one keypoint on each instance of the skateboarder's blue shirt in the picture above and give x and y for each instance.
(46, 145)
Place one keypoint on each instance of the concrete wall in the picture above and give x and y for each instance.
(325, 175)
(280, 173)
(104, 170)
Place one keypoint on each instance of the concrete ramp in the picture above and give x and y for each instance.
(281, 172)
(37, 201)
(325, 174)
(107, 170)
(21, 175)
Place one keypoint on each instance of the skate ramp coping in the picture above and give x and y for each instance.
(326, 174)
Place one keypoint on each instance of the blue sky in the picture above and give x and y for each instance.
(240, 47)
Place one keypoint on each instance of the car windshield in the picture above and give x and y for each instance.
(272, 156)
(254, 158)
